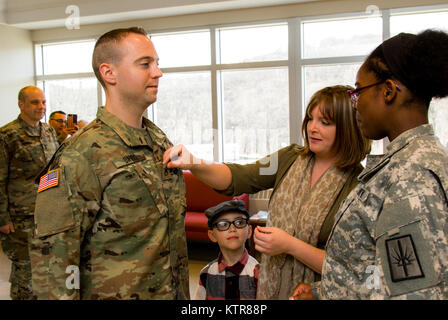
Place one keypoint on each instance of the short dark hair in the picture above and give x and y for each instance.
(55, 112)
(107, 49)
(350, 145)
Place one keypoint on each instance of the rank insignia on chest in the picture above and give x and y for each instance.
(403, 260)
(51, 179)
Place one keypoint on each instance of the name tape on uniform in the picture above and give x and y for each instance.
(51, 179)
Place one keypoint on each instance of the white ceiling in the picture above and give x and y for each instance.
(40, 14)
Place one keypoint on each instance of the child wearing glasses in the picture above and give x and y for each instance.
(234, 274)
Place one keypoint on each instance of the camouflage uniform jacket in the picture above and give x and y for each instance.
(24, 152)
(390, 238)
(115, 213)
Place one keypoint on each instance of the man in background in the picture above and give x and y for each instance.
(26, 146)
(58, 121)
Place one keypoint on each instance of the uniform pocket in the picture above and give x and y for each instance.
(52, 216)
(154, 185)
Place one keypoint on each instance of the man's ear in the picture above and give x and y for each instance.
(211, 236)
(20, 105)
(108, 73)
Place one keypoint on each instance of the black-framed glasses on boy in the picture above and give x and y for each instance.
(224, 225)
(354, 94)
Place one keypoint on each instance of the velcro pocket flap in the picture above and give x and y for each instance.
(54, 212)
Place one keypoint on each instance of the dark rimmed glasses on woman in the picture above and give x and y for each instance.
(354, 94)
(224, 225)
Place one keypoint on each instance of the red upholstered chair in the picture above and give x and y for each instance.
(200, 197)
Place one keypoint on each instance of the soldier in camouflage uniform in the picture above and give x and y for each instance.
(390, 239)
(26, 146)
(109, 215)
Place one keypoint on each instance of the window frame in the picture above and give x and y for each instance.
(295, 64)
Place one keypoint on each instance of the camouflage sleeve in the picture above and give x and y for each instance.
(4, 165)
(63, 214)
(412, 247)
(315, 287)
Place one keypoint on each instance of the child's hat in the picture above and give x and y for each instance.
(233, 205)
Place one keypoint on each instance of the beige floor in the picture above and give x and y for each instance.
(202, 255)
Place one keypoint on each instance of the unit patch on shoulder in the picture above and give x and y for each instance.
(403, 260)
(51, 179)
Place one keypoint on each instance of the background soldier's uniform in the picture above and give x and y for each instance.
(396, 219)
(24, 152)
(115, 212)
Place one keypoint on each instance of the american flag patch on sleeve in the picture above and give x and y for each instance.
(51, 179)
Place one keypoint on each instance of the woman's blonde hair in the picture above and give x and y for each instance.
(350, 146)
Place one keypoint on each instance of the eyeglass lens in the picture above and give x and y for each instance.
(59, 120)
(225, 225)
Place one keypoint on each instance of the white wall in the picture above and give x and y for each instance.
(16, 69)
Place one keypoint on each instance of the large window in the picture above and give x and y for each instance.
(61, 58)
(416, 22)
(317, 77)
(64, 72)
(258, 43)
(183, 49)
(255, 116)
(333, 51)
(77, 96)
(341, 37)
(183, 111)
(238, 92)
(248, 110)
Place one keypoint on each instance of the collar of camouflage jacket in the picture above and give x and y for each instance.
(376, 162)
(30, 130)
(150, 135)
(403, 139)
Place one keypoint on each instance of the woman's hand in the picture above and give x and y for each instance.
(303, 291)
(179, 157)
(271, 241)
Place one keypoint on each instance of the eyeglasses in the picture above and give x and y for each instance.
(59, 120)
(354, 94)
(224, 225)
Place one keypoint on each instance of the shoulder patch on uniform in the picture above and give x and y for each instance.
(403, 260)
(51, 179)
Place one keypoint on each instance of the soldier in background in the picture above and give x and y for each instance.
(58, 121)
(26, 146)
(108, 212)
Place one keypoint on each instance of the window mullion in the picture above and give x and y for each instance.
(295, 81)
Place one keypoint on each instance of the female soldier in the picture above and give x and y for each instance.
(390, 236)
